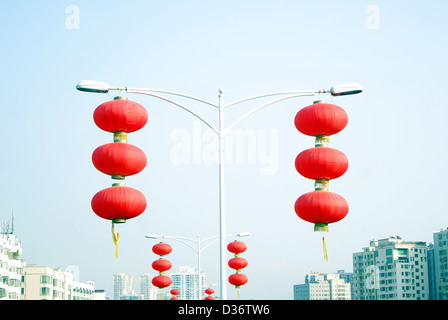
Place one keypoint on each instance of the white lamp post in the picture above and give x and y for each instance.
(338, 90)
(198, 248)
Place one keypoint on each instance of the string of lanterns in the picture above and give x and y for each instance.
(321, 164)
(161, 265)
(119, 159)
(237, 279)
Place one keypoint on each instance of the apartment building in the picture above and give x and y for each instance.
(187, 281)
(391, 269)
(147, 290)
(440, 265)
(324, 286)
(122, 285)
(45, 283)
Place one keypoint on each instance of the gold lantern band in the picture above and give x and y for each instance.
(120, 136)
(322, 141)
(321, 184)
(321, 227)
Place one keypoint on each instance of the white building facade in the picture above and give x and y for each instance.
(391, 269)
(45, 283)
(147, 290)
(323, 286)
(11, 267)
(187, 282)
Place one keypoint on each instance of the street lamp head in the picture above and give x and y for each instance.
(346, 89)
(152, 236)
(93, 86)
(243, 234)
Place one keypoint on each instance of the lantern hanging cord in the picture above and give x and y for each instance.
(325, 249)
(115, 238)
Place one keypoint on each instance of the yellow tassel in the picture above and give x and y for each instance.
(238, 292)
(115, 238)
(325, 249)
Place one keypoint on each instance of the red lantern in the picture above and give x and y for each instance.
(118, 203)
(238, 279)
(161, 281)
(321, 163)
(237, 263)
(120, 115)
(237, 247)
(321, 208)
(174, 292)
(209, 291)
(119, 160)
(162, 249)
(161, 265)
(321, 119)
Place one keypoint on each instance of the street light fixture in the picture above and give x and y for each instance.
(221, 131)
(198, 248)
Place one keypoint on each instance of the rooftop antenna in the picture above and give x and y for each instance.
(12, 222)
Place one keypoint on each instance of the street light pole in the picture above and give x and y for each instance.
(222, 231)
(198, 248)
(337, 90)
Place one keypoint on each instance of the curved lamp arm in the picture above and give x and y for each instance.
(179, 105)
(263, 106)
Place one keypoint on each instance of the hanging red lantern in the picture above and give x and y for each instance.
(238, 279)
(321, 119)
(161, 265)
(209, 291)
(118, 203)
(321, 163)
(120, 115)
(236, 247)
(161, 281)
(237, 263)
(119, 160)
(162, 248)
(321, 208)
(174, 292)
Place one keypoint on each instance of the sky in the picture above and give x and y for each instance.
(394, 140)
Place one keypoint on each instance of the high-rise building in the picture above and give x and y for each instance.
(147, 290)
(122, 285)
(441, 264)
(187, 282)
(11, 266)
(324, 286)
(391, 269)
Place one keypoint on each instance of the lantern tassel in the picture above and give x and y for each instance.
(238, 292)
(325, 249)
(115, 238)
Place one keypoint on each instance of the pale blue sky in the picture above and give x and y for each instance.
(394, 141)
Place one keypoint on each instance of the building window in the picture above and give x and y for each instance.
(45, 279)
(44, 291)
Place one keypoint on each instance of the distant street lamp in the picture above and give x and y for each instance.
(221, 131)
(198, 248)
